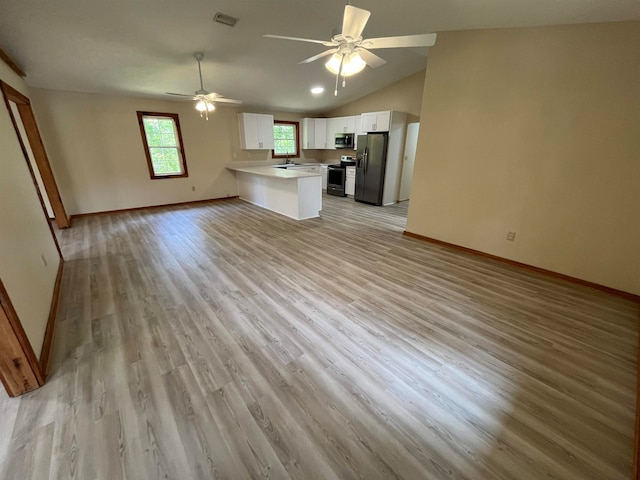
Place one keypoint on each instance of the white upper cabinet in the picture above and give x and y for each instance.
(358, 131)
(320, 129)
(349, 125)
(320, 133)
(314, 133)
(256, 131)
(339, 125)
(345, 124)
(308, 133)
(332, 129)
(375, 121)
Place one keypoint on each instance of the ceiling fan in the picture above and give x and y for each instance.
(350, 52)
(205, 101)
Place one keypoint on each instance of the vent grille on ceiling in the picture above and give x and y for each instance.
(225, 19)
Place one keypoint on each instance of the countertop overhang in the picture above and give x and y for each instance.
(268, 171)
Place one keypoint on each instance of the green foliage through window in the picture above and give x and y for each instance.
(285, 139)
(162, 140)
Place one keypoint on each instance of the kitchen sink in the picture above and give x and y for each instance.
(285, 165)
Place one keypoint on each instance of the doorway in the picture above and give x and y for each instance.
(24, 122)
(410, 146)
(21, 370)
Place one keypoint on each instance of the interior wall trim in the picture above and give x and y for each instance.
(618, 293)
(19, 368)
(11, 64)
(636, 444)
(561, 276)
(45, 353)
(151, 207)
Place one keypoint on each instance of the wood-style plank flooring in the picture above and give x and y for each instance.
(225, 341)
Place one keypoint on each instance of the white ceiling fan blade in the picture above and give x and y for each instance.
(226, 100)
(354, 21)
(216, 97)
(423, 40)
(373, 60)
(320, 55)
(297, 39)
(179, 94)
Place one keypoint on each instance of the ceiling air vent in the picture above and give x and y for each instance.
(225, 19)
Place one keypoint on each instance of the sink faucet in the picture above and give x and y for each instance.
(287, 160)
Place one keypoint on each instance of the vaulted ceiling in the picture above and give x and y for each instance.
(145, 47)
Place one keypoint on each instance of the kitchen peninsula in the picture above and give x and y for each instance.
(292, 193)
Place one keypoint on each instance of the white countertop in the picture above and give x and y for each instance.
(272, 172)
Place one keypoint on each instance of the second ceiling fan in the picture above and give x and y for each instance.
(350, 52)
(205, 101)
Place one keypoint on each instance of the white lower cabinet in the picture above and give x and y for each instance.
(350, 181)
(324, 170)
(305, 168)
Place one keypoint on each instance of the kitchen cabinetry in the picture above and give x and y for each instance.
(314, 133)
(324, 170)
(305, 168)
(332, 129)
(320, 133)
(308, 133)
(339, 125)
(350, 181)
(256, 131)
(320, 127)
(375, 121)
(357, 130)
(345, 124)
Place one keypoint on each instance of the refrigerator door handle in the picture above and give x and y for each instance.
(366, 159)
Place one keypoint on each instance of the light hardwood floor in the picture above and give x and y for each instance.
(226, 341)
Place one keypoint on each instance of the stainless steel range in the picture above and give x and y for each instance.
(336, 176)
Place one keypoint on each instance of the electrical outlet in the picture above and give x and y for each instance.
(44, 260)
(193, 188)
(511, 236)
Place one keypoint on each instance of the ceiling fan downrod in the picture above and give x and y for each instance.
(335, 92)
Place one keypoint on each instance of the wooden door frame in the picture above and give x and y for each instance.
(20, 370)
(10, 94)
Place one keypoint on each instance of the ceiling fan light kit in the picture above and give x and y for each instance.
(205, 106)
(350, 52)
(352, 63)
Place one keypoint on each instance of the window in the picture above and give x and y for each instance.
(285, 139)
(162, 142)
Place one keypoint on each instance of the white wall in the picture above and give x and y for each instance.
(535, 131)
(402, 96)
(24, 236)
(96, 151)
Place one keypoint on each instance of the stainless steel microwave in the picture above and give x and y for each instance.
(344, 140)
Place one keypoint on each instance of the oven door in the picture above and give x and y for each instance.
(336, 181)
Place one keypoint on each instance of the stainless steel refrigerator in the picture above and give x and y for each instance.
(371, 162)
